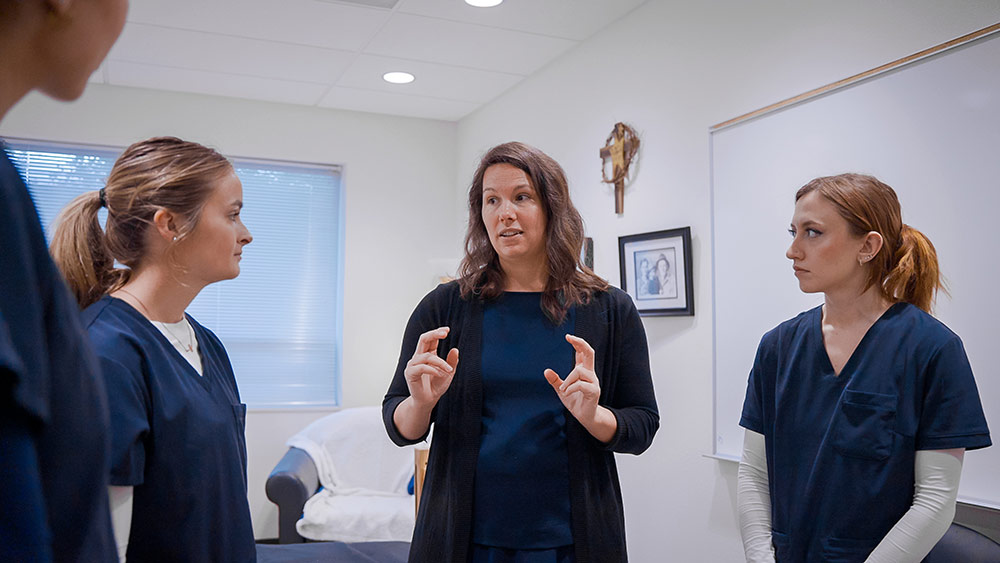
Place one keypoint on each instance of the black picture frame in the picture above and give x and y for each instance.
(656, 272)
(587, 252)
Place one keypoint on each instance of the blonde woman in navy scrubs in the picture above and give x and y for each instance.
(178, 451)
(857, 412)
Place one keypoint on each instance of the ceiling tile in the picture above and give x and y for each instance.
(213, 83)
(468, 45)
(396, 104)
(433, 80)
(197, 50)
(387, 4)
(301, 22)
(569, 19)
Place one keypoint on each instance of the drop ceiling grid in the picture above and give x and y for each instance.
(466, 45)
(212, 83)
(332, 53)
(566, 19)
(432, 80)
(300, 22)
(196, 50)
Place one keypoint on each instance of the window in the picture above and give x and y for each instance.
(280, 320)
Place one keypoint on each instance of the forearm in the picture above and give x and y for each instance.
(937, 474)
(603, 425)
(633, 404)
(753, 500)
(412, 420)
(121, 516)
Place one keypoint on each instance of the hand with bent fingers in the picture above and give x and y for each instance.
(427, 375)
(580, 391)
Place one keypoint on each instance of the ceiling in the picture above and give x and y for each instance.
(333, 53)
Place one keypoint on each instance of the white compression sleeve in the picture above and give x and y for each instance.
(933, 508)
(121, 516)
(753, 500)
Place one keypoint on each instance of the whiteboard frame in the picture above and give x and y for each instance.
(845, 82)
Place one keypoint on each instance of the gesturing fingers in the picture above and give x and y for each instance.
(429, 340)
(428, 376)
(575, 381)
(431, 360)
(588, 388)
(553, 378)
(453, 358)
(584, 352)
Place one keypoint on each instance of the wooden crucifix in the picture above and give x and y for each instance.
(620, 147)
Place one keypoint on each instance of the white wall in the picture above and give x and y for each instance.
(672, 69)
(399, 181)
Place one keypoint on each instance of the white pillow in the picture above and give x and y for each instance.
(351, 450)
(357, 515)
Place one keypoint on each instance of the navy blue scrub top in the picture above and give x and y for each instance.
(840, 449)
(177, 437)
(53, 410)
(522, 475)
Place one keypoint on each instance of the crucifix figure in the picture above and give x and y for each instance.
(620, 147)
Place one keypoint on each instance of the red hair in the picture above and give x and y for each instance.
(906, 268)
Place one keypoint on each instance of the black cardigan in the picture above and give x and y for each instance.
(611, 325)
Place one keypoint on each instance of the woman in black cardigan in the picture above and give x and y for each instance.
(553, 380)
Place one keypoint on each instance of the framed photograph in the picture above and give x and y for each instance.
(656, 271)
(587, 253)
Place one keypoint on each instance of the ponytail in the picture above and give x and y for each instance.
(915, 276)
(80, 250)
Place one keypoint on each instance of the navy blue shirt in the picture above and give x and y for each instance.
(54, 422)
(841, 448)
(177, 437)
(522, 476)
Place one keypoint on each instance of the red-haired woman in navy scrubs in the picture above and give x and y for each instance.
(857, 412)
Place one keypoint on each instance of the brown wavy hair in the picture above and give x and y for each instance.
(162, 172)
(570, 282)
(906, 268)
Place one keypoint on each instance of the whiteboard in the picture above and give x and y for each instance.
(931, 130)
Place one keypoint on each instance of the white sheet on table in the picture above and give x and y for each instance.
(364, 516)
(364, 478)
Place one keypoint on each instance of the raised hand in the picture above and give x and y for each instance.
(580, 391)
(427, 375)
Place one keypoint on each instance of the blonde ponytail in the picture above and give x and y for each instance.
(80, 251)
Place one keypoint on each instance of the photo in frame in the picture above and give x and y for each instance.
(656, 272)
(587, 252)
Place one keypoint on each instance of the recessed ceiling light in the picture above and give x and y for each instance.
(483, 3)
(398, 77)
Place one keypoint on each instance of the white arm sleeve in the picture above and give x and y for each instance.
(121, 516)
(933, 509)
(753, 500)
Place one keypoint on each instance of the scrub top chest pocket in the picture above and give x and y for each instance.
(864, 425)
